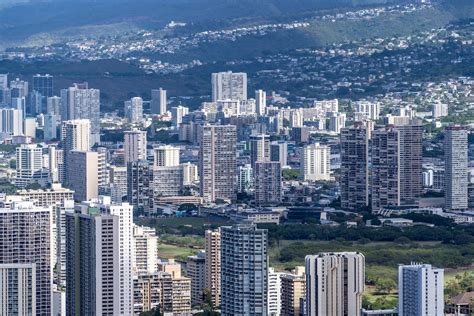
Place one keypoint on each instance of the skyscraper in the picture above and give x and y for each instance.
(166, 156)
(293, 291)
(124, 212)
(134, 145)
(268, 188)
(335, 283)
(43, 84)
(80, 102)
(354, 167)
(25, 240)
(456, 168)
(420, 290)
(244, 269)
(261, 102)
(316, 163)
(259, 148)
(229, 86)
(274, 293)
(83, 174)
(139, 185)
(396, 166)
(92, 257)
(11, 121)
(212, 273)
(158, 101)
(133, 110)
(217, 168)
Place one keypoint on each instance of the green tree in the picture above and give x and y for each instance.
(153, 312)
(385, 286)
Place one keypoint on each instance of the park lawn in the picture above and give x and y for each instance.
(167, 251)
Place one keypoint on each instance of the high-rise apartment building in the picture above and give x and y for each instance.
(54, 195)
(335, 283)
(145, 253)
(152, 290)
(139, 185)
(268, 187)
(396, 166)
(80, 102)
(420, 290)
(456, 168)
(118, 183)
(293, 291)
(124, 212)
(133, 110)
(229, 86)
(354, 179)
(59, 239)
(274, 293)
(261, 102)
(29, 166)
(92, 262)
(53, 106)
(244, 270)
(83, 174)
(212, 273)
(195, 266)
(217, 166)
(18, 282)
(158, 101)
(316, 162)
(134, 145)
(25, 258)
(259, 148)
(166, 156)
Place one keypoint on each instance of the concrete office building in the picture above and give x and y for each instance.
(134, 145)
(316, 163)
(25, 240)
(83, 174)
(118, 183)
(190, 173)
(11, 121)
(420, 290)
(244, 270)
(268, 182)
(354, 167)
(53, 106)
(166, 156)
(217, 167)
(456, 168)
(212, 273)
(335, 283)
(75, 135)
(229, 86)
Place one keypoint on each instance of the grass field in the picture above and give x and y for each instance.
(167, 251)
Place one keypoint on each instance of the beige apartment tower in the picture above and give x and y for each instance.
(335, 283)
(212, 273)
